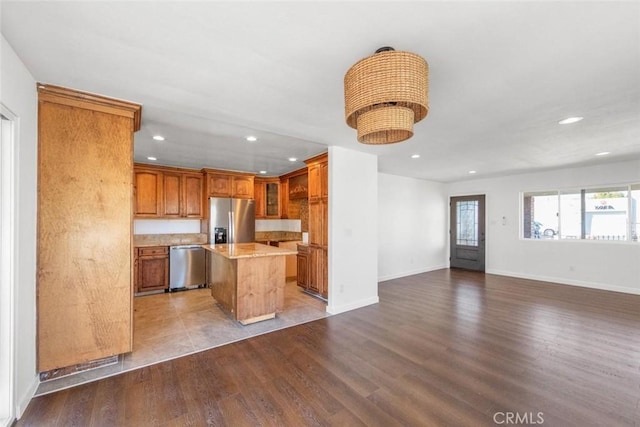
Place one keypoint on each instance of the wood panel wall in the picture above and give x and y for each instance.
(84, 276)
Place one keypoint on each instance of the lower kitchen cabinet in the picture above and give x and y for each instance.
(318, 271)
(152, 268)
(312, 269)
(303, 266)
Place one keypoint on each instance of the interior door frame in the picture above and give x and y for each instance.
(8, 149)
(482, 238)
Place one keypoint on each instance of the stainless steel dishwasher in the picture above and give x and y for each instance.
(186, 267)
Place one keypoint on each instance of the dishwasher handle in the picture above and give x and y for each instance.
(186, 247)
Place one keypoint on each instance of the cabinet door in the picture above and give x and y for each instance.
(284, 198)
(324, 180)
(192, 196)
(303, 270)
(315, 270)
(259, 192)
(172, 194)
(315, 183)
(153, 273)
(148, 193)
(316, 223)
(242, 187)
(273, 199)
(324, 267)
(219, 185)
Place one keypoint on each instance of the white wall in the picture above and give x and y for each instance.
(412, 226)
(353, 222)
(18, 94)
(598, 264)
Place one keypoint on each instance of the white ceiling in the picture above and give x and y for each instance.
(502, 74)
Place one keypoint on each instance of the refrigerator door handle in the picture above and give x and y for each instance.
(232, 231)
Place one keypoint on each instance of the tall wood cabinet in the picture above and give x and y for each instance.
(318, 260)
(167, 192)
(84, 274)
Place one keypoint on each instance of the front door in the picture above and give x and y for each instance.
(467, 232)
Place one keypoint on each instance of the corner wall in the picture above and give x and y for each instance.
(18, 94)
(412, 226)
(353, 222)
(604, 265)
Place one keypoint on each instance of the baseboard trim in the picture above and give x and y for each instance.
(562, 281)
(411, 273)
(23, 402)
(352, 306)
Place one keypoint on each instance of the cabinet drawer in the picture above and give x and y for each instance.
(153, 250)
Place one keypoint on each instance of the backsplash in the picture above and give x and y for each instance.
(278, 225)
(166, 226)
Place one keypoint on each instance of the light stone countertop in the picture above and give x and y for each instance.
(146, 240)
(247, 250)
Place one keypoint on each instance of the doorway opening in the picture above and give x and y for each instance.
(467, 232)
(7, 282)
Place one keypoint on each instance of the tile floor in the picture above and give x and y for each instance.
(167, 326)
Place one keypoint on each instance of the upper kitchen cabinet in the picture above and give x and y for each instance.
(242, 187)
(84, 234)
(221, 183)
(218, 184)
(166, 192)
(318, 179)
(148, 192)
(267, 196)
(293, 194)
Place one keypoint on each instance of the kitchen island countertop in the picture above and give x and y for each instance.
(248, 250)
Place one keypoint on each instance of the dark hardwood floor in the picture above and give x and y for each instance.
(442, 348)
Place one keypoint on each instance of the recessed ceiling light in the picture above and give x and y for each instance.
(415, 156)
(472, 172)
(252, 138)
(263, 172)
(158, 137)
(570, 120)
(603, 153)
(152, 158)
(292, 159)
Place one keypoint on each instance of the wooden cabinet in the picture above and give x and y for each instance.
(266, 195)
(284, 197)
(218, 185)
(192, 188)
(152, 268)
(259, 195)
(293, 189)
(85, 182)
(315, 183)
(303, 266)
(228, 184)
(147, 193)
(242, 187)
(166, 192)
(318, 225)
(221, 183)
(172, 192)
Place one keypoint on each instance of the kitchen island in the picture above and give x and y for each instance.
(247, 279)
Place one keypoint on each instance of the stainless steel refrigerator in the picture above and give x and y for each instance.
(231, 220)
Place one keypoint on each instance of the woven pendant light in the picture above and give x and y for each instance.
(385, 94)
